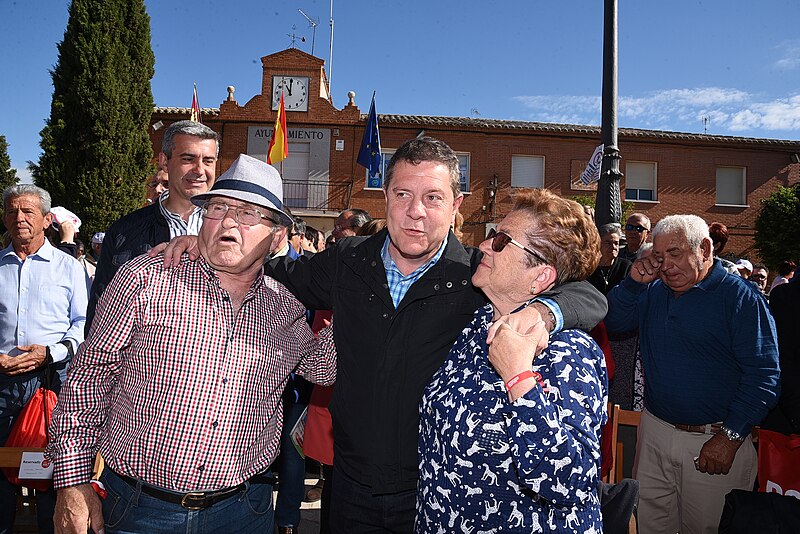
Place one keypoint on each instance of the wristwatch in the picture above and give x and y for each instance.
(731, 435)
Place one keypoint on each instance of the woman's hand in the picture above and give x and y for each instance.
(175, 248)
(512, 353)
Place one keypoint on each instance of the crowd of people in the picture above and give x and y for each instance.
(441, 387)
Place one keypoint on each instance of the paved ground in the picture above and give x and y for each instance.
(309, 512)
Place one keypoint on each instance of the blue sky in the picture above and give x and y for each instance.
(736, 62)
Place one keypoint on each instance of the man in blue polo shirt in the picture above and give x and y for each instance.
(710, 358)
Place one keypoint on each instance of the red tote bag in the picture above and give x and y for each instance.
(779, 463)
(30, 431)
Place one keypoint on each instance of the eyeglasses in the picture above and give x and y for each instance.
(636, 228)
(245, 215)
(758, 277)
(501, 239)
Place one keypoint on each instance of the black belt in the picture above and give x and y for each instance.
(713, 428)
(195, 500)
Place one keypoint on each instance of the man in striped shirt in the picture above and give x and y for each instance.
(179, 383)
(189, 155)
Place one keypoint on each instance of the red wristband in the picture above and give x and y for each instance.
(519, 378)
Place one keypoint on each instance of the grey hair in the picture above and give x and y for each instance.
(693, 228)
(18, 190)
(195, 129)
(359, 217)
(643, 249)
(610, 228)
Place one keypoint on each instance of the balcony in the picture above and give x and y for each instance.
(320, 195)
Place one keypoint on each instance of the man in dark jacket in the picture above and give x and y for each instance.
(400, 298)
(189, 154)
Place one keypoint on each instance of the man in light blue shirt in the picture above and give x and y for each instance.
(43, 298)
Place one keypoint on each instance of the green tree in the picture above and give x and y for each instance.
(628, 207)
(96, 151)
(8, 176)
(777, 236)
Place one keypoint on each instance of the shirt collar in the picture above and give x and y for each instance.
(389, 264)
(165, 212)
(45, 252)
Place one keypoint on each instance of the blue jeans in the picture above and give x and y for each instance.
(291, 471)
(355, 510)
(127, 510)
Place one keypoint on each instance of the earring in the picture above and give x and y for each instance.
(533, 289)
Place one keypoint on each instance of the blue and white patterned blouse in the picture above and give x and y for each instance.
(490, 465)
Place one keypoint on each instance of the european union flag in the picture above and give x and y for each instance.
(369, 155)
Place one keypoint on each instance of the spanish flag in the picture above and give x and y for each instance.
(279, 146)
(195, 115)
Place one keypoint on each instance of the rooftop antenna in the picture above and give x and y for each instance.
(330, 60)
(294, 37)
(706, 120)
(313, 23)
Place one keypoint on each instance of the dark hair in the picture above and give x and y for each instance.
(422, 149)
(312, 234)
(195, 129)
(372, 227)
(358, 217)
(786, 266)
(299, 226)
(718, 233)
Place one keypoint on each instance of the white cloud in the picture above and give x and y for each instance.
(23, 173)
(730, 111)
(790, 52)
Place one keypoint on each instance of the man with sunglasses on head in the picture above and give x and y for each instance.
(178, 385)
(400, 298)
(637, 230)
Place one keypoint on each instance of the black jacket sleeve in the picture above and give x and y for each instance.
(582, 306)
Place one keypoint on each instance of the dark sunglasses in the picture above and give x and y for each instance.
(501, 239)
(636, 228)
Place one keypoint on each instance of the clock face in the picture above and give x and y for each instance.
(295, 92)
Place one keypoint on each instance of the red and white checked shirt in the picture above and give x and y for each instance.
(173, 387)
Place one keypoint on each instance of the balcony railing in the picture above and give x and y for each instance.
(324, 195)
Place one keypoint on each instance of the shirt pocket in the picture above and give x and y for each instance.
(53, 301)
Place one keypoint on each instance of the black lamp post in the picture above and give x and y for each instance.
(608, 204)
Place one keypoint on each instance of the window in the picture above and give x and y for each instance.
(527, 171)
(463, 166)
(731, 183)
(376, 182)
(640, 180)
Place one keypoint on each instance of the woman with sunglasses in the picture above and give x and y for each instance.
(508, 441)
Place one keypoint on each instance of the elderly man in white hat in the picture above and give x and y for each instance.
(179, 383)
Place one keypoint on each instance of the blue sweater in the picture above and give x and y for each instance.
(709, 355)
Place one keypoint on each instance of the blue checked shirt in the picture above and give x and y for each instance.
(399, 283)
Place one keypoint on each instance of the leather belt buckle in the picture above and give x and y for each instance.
(185, 501)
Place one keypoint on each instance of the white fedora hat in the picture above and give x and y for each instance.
(250, 180)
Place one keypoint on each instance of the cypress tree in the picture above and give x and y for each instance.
(96, 151)
(8, 176)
